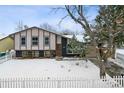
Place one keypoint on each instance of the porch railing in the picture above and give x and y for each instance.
(8, 56)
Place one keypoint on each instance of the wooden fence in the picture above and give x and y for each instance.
(115, 82)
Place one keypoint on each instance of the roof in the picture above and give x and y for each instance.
(79, 37)
(39, 29)
(3, 36)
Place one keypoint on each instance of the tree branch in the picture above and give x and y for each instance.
(62, 19)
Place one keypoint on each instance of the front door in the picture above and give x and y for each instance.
(59, 50)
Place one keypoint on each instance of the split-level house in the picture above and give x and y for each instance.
(36, 42)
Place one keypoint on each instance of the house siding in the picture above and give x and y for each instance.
(23, 34)
(41, 44)
(17, 41)
(35, 34)
(46, 34)
(59, 41)
(54, 41)
(41, 34)
(29, 37)
(64, 44)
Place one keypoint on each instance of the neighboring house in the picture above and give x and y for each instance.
(2, 35)
(78, 37)
(6, 43)
(35, 42)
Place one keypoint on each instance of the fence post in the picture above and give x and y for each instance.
(0, 83)
(122, 78)
(23, 83)
(58, 84)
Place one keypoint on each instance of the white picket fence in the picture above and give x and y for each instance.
(5, 58)
(115, 82)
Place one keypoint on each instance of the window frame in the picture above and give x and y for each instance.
(24, 41)
(48, 41)
(34, 41)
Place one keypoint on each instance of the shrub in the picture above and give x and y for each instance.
(77, 64)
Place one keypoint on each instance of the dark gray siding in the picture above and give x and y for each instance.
(64, 44)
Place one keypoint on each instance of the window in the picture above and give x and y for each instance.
(24, 53)
(18, 53)
(35, 54)
(34, 40)
(47, 53)
(23, 41)
(46, 40)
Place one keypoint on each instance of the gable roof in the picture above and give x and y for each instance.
(2, 35)
(39, 29)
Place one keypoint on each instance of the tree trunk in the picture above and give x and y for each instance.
(86, 26)
(102, 61)
(114, 51)
(102, 69)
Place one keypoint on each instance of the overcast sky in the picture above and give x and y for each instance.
(36, 15)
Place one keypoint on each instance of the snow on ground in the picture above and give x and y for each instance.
(120, 57)
(121, 51)
(48, 68)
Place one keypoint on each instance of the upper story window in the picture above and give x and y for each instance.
(46, 40)
(23, 41)
(34, 40)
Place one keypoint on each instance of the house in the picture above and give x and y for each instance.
(6, 43)
(36, 42)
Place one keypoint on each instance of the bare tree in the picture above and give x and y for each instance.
(47, 26)
(25, 26)
(77, 13)
(110, 24)
(19, 26)
(67, 32)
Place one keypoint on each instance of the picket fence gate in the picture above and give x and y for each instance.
(115, 82)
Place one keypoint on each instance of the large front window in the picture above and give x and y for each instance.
(34, 40)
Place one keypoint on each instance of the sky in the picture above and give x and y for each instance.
(34, 15)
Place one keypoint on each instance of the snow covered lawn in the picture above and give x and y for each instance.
(120, 57)
(121, 51)
(48, 68)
